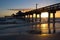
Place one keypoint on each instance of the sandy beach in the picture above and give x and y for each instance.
(31, 37)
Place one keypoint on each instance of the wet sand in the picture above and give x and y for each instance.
(32, 37)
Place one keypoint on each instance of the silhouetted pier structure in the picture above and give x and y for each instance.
(50, 9)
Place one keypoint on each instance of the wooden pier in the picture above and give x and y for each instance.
(50, 9)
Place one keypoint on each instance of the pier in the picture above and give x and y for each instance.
(50, 9)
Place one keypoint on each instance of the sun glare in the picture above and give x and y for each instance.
(44, 14)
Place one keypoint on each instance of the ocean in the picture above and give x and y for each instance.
(16, 29)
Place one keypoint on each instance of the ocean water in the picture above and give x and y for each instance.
(16, 29)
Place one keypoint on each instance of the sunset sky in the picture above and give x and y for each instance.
(23, 4)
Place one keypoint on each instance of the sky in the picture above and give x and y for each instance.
(22, 4)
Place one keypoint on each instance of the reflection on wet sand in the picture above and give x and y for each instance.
(42, 27)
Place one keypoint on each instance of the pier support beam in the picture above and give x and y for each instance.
(24, 17)
(49, 22)
(36, 22)
(40, 21)
(29, 18)
(32, 22)
(54, 22)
